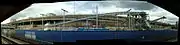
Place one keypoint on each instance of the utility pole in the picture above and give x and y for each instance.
(64, 11)
(63, 20)
(128, 13)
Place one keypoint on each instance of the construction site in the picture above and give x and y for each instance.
(107, 20)
(53, 28)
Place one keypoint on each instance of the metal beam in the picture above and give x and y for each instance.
(89, 18)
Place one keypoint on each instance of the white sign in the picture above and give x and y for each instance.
(30, 35)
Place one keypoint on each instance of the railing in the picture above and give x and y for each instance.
(13, 41)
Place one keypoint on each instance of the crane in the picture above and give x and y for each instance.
(158, 19)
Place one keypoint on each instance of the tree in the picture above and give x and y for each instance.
(51, 14)
(42, 14)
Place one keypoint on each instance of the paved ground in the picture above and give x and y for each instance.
(3, 41)
(174, 40)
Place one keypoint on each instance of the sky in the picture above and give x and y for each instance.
(88, 7)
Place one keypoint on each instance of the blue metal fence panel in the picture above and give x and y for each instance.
(159, 34)
(129, 34)
(72, 36)
(48, 35)
(87, 35)
(20, 33)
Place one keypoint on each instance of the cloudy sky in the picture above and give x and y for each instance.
(88, 7)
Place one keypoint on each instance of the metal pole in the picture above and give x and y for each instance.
(74, 13)
(129, 18)
(23, 25)
(96, 17)
(117, 23)
(64, 17)
(31, 23)
(129, 21)
(18, 26)
(63, 20)
(42, 23)
(30, 27)
(74, 7)
(87, 25)
(177, 24)
(54, 26)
